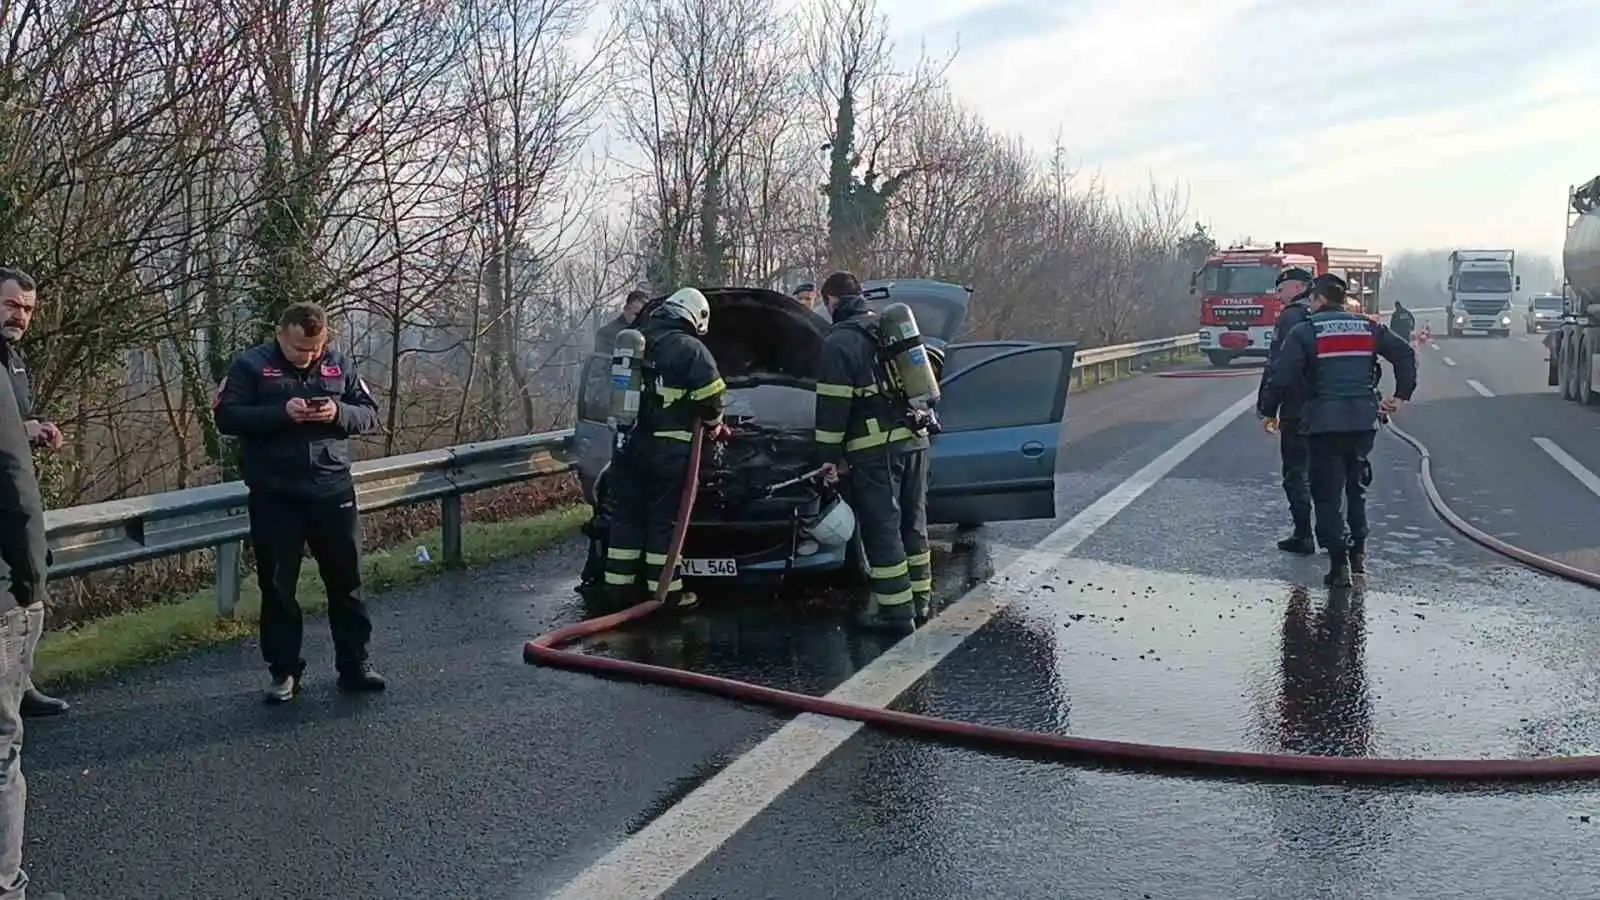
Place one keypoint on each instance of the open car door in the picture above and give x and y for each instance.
(1002, 414)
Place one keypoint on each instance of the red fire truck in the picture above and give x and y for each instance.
(1238, 299)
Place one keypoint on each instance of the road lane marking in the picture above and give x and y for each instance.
(1482, 391)
(1577, 469)
(1448, 361)
(648, 864)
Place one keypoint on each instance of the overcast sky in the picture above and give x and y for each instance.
(1386, 125)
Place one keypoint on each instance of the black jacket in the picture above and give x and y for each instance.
(856, 413)
(17, 371)
(1288, 405)
(278, 455)
(22, 533)
(685, 388)
(1329, 360)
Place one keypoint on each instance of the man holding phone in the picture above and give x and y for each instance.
(293, 403)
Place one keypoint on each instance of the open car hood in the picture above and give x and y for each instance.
(762, 336)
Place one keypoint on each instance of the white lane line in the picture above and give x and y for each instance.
(648, 864)
(1448, 361)
(1579, 471)
(1477, 386)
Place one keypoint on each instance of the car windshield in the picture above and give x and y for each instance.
(1484, 283)
(1547, 303)
(1241, 280)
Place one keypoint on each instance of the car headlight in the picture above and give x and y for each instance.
(1505, 320)
(1460, 319)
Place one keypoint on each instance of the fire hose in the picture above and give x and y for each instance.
(548, 650)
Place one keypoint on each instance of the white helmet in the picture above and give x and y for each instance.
(691, 306)
(835, 526)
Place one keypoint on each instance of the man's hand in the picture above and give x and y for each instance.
(721, 433)
(830, 474)
(44, 434)
(1391, 405)
(302, 411)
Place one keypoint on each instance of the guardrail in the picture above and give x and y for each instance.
(116, 533)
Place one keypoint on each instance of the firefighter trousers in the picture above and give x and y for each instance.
(646, 486)
(889, 492)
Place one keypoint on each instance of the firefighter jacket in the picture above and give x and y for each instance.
(1329, 359)
(857, 411)
(684, 388)
(1288, 405)
(277, 454)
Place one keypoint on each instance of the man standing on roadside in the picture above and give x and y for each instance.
(22, 552)
(605, 338)
(294, 403)
(19, 297)
(1294, 287)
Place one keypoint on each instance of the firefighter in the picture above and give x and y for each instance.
(866, 430)
(1329, 359)
(683, 392)
(1294, 288)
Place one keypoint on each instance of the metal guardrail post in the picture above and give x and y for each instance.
(450, 530)
(228, 578)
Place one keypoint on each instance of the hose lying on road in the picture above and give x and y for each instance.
(548, 650)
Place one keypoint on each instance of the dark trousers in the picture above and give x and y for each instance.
(1340, 474)
(644, 491)
(889, 493)
(281, 529)
(1296, 456)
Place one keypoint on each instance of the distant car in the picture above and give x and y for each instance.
(1543, 313)
(1002, 412)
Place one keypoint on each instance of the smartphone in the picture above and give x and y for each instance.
(320, 401)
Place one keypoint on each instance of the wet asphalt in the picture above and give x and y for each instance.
(478, 776)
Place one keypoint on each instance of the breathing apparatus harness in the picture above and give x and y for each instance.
(905, 374)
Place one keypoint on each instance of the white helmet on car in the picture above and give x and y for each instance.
(835, 526)
(691, 306)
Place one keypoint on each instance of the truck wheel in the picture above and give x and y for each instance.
(1505, 334)
(1569, 375)
(1585, 367)
(1219, 358)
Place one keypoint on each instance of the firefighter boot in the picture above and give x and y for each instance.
(1299, 543)
(1338, 569)
(899, 618)
(922, 606)
(1358, 558)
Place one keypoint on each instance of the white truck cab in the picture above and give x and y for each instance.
(1482, 286)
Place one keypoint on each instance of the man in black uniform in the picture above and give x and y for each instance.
(606, 337)
(683, 392)
(1294, 288)
(863, 429)
(293, 403)
(1402, 322)
(19, 297)
(1329, 358)
(23, 554)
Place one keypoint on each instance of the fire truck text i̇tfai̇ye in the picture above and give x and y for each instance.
(1239, 304)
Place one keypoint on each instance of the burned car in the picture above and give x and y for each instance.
(1002, 414)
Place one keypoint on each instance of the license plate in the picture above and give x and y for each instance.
(709, 568)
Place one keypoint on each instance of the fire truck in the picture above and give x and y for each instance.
(1239, 304)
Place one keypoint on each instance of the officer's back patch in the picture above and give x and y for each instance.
(1344, 337)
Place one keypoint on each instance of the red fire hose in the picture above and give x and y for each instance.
(547, 650)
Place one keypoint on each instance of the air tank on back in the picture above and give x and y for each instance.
(908, 356)
(1580, 255)
(627, 377)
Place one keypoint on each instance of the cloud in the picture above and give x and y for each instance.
(1393, 124)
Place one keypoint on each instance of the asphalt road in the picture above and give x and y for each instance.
(477, 776)
(1491, 424)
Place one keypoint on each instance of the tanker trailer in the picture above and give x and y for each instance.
(1573, 365)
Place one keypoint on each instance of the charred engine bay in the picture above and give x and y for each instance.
(738, 473)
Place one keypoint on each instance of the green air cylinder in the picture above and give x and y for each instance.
(908, 356)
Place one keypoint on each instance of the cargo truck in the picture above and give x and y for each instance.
(1574, 346)
(1239, 305)
(1482, 284)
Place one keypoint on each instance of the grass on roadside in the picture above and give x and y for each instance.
(168, 629)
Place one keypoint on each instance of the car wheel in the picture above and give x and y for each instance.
(1219, 358)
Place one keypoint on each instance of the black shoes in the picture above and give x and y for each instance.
(1339, 574)
(38, 705)
(362, 680)
(1300, 544)
(1358, 559)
